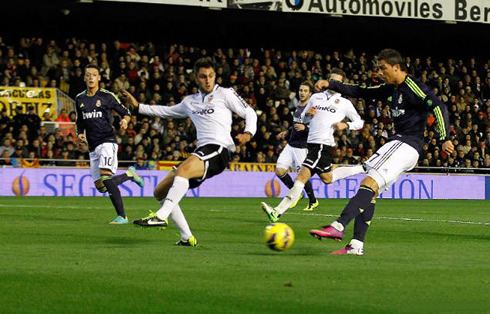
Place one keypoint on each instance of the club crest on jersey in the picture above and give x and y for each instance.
(98, 103)
(395, 112)
(337, 101)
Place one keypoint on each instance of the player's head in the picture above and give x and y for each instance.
(304, 92)
(205, 74)
(391, 66)
(92, 76)
(336, 75)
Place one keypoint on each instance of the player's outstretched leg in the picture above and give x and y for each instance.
(116, 199)
(131, 174)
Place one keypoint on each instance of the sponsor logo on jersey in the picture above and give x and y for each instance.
(98, 103)
(91, 115)
(327, 108)
(204, 111)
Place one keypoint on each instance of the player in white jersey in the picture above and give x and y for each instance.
(325, 113)
(293, 155)
(211, 111)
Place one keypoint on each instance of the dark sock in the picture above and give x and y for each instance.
(120, 179)
(115, 196)
(309, 192)
(286, 179)
(363, 221)
(361, 200)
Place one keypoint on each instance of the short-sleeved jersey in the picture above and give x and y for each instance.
(211, 114)
(410, 104)
(94, 116)
(298, 139)
(330, 108)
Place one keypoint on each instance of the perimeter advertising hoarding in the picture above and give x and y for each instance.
(77, 182)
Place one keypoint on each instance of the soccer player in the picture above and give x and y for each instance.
(324, 112)
(94, 108)
(211, 112)
(410, 102)
(295, 151)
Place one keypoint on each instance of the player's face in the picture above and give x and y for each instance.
(206, 79)
(92, 77)
(304, 93)
(387, 72)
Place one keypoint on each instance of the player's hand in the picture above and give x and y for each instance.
(299, 127)
(282, 135)
(244, 138)
(123, 124)
(321, 85)
(81, 138)
(132, 101)
(311, 111)
(340, 126)
(448, 147)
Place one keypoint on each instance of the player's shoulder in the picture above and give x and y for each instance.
(107, 92)
(416, 86)
(79, 95)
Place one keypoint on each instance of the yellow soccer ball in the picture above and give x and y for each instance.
(278, 236)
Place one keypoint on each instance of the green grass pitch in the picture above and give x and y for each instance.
(60, 255)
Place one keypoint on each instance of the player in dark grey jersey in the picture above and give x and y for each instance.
(94, 108)
(410, 102)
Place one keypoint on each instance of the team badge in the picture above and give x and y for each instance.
(98, 103)
(337, 101)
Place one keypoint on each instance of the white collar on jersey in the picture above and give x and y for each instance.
(202, 95)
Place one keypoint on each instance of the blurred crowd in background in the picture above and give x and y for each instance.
(268, 79)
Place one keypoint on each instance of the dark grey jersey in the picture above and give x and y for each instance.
(94, 116)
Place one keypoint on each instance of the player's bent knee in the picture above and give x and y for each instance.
(99, 184)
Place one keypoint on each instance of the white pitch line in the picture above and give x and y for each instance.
(290, 213)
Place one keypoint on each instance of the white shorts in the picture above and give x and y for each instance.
(103, 157)
(291, 157)
(390, 161)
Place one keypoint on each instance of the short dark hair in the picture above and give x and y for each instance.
(91, 66)
(307, 83)
(390, 56)
(205, 62)
(338, 72)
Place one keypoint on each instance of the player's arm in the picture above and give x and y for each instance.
(356, 91)
(239, 106)
(442, 119)
(177, 111)
(80, 126)
(309, 112)
(356, 123)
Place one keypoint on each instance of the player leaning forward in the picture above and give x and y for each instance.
(410, 102)
(94, 108)
(211, 112)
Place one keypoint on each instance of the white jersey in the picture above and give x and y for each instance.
(211, 114)
(331, 108)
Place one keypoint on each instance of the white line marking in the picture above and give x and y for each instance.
(290, 213)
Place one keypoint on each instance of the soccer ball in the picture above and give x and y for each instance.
(278, 236)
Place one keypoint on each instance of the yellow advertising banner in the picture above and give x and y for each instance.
(42, 99)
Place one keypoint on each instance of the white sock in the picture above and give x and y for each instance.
(337, 225)
(292, 196)
(356, 244)
(174, 195)
(344, 172)
(178, 218)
